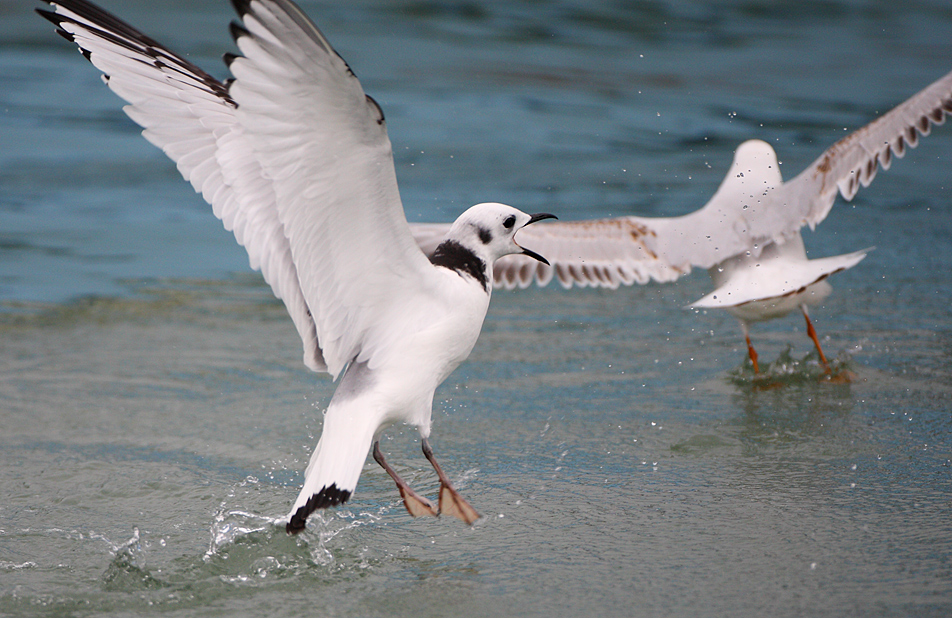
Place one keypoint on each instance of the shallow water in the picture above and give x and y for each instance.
(156, 416)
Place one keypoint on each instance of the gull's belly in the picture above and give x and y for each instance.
(450, 332)
(432, 345)
(779, 306)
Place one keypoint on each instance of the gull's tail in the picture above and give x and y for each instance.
(335, 465)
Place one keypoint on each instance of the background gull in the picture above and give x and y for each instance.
(295, 160)
(747, 235)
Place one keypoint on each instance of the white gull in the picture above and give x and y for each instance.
(747, 236)
(295, 160)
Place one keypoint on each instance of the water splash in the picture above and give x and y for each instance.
(6, 565)
(128, 571)
(231, 524)
(331, 524)
(261, 548)
(788, 370)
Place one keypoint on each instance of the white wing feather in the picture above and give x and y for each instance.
(190, 116)
(752, 208)
(324, 145)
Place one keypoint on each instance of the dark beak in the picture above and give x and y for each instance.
(540, 216)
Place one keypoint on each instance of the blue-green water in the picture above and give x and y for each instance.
(154, 412)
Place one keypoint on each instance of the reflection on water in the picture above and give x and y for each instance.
(157, 418)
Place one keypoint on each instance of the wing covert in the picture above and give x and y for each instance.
(323, 143)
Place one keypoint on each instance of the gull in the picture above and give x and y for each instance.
(747, 236)
(294, 159)
(781, 279)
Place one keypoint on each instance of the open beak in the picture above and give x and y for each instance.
(540, 216)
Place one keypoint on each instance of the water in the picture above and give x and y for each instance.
(156, 415)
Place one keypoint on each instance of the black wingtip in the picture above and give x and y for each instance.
(241, 7)
(237, 30)
(56, 20)
(380, 117)
(327, 497)
(49, 15)
(68, 36)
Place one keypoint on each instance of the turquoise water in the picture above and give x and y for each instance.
(156, 415)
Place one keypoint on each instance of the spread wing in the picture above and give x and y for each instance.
(292, 156)
(853, 161)
(191, 116)
(752, 208)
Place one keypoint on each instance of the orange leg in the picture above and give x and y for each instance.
(753, 355)
(451, 503)
(416, 504)
(812, 333)
(750, 348)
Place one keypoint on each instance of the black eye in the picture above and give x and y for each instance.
(508, 223)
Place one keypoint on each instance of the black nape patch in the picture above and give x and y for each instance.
(329, 496)
(450, 254)
(485, 235)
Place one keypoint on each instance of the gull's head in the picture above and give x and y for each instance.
(756, 160)
(754, 172)
(489, 231)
